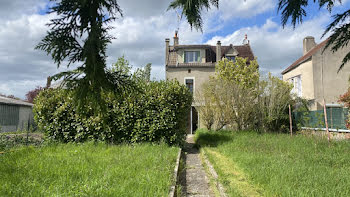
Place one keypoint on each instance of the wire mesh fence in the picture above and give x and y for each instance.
(336, 117)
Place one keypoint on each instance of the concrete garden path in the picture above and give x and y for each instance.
(193, 179)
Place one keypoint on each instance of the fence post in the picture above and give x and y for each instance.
(325, 119)
(290, 121)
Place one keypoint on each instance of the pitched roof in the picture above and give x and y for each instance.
(305, 57)
(11, 101)
(243, 51)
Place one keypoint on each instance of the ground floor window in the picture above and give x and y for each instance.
(296, 82)
(189, 84)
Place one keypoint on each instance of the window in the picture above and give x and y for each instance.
(296, 82)
(189, 84)
(192, 56)
(231, 58)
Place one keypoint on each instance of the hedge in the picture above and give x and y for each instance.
(155, 111)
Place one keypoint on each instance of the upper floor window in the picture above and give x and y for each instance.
(192, 56)
(296, 82)
(231, 58)
(189, 84)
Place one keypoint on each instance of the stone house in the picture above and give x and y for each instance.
(193, 64)
(315, 75)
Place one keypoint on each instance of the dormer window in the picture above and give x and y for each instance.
(192, 56)
(231, 58)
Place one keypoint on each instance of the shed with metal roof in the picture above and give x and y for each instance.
(15, 115)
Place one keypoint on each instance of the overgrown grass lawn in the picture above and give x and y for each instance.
(88, 170)
(251, 164)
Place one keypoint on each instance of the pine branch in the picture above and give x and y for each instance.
(79, 35)
(192, 10)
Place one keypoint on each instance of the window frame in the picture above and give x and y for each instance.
(296, 81)
(229, 57)
(193, 56)
(194, 83)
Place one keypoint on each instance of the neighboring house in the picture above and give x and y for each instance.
(315, 75)
(15, 115)
(193, 64)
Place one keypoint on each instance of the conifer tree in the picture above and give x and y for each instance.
(79, 36)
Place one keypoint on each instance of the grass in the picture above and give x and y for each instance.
(88, 170)
(252, 164)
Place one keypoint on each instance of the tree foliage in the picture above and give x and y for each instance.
(150, 112)
(208, 108)
(235, 97)
(192, 10)
(147, 71)
(275, 96)
(79, 35)
(229, 97)
(291, 10)
(30, 96)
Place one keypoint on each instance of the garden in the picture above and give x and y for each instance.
(108, 131)
(275, 164)
(249, 143)
(88, 169)
(129, 148)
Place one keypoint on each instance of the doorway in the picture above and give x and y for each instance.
(194, 120)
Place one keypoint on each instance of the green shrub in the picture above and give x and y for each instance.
(273, 104)
(153, 112)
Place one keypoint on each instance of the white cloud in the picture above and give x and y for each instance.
(11, 9)
(275, 47)
(142, 40)
(19, 86)
(22, 67)
(137, 8)
(230, 9)
(140, 37)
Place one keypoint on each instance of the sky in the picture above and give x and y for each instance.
(141, 32)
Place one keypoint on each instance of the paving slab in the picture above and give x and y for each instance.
(193, 179)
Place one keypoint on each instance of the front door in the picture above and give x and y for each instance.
(194, 120)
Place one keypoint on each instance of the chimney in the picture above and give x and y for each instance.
(245, 40)
(167, 40)
(218, 51)
(308, 44)
(176, 39)
(48, 82)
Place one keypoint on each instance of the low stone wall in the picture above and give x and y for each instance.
(335, 135)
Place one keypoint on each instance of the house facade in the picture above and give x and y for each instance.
(192, 65)
(315, 75)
